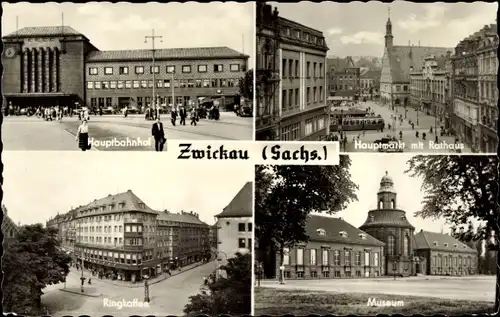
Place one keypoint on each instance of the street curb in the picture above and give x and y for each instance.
(152, 283)
(79, 293)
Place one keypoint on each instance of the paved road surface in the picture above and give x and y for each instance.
(168, 297)
(30, 133)
(475, 288)
(409, 134)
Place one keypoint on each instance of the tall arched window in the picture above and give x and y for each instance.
(390, 244)
(393, 204)
(380, 204)
(406, 245)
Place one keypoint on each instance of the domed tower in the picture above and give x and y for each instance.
(388, 224)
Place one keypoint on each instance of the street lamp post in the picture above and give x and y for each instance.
(146, 290)
(153, 39)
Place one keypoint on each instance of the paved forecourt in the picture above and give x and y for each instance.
(474, 288)
(409, 134)
(168, 297)
(30, 133)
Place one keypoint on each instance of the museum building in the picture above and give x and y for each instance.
(384, 245)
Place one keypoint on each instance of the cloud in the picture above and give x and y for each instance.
(334, 31)
(434, 14)
(466, 26)
(363, 38)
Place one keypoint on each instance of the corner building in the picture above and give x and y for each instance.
(120, 234)
(49, 66)
(291, 79)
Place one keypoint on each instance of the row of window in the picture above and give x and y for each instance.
(164, 83)
(242, 227)
(452, 261)
(391, 245)
(314, 125)
(302, 35)
(325, 257)
(288, 69)
(102, 102)
(326, 274)
(291, 97)
(169, 69)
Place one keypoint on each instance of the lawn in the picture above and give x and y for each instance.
(271, 301)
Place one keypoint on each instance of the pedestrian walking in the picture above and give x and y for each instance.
(193, 116)
(158, 134)
(183, 116)
(173, 116)
(82, 136)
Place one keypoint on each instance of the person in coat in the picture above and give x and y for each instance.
(158, 134)
(82, 136)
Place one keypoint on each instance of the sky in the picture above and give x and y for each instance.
(367, 170)
(123, 25)
(358, 29)
(38, 185)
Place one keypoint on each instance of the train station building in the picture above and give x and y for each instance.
(49, 66)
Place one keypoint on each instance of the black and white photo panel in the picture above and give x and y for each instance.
(377, 234)
(413, 77)
(111, 235)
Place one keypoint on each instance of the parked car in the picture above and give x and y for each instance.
(133, 109)
(245, 111)
(108, 110)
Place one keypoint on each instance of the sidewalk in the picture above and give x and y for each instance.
(151, 281)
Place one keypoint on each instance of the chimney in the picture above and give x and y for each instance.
(418, 43)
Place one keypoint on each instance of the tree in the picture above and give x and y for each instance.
(246, 85)
(460, 188)
(30, 263)
(294, 193)
(230, 295)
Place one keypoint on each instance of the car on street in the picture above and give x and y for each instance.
(133, 109)
(108, 110)
(245, 111)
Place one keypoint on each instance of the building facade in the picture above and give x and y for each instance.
(44, 66)
(445, 255)
(335, 249)
(429, 88)
(121, 235)
(181, 76)
(386, 244)
(48, 66)
(388, 224)
(488, 91)
(370, 83)
(344, 77)
(295, 100)
(397, 63)
(267, 73)
(235, 225)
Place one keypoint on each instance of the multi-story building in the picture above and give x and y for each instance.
(384, 245)
(125, 78)
(335, 249)
(445, 255)
(120, 234)
(344, 77)
(370, 83)
(46, 66)
(235, 225)
(429, 87)
(397, 63)
(267, 73)
(300, 110)
(9, 228)
(475, 95)
(488, 91)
